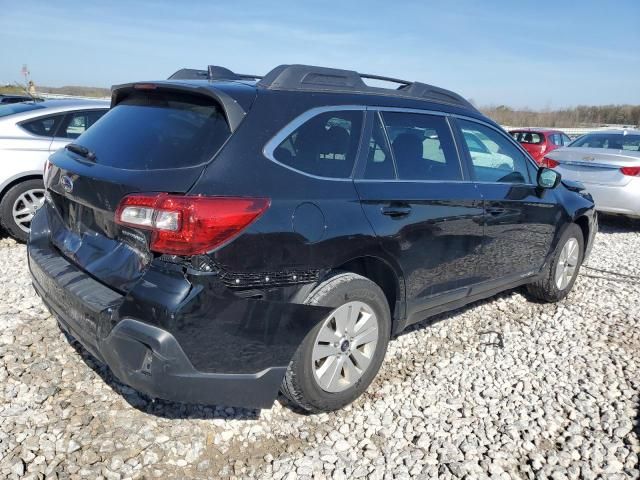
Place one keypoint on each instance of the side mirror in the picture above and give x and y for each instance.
(548, 178)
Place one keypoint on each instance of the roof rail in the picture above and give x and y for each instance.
(306, 77)
(322, 79)
(213, 72)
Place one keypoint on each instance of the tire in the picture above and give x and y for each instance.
(8, 202)
(547, 288)
(302, 385)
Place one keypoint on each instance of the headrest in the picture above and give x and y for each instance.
(337, 140)
(408, 145)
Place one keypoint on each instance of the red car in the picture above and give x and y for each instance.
(539, 142)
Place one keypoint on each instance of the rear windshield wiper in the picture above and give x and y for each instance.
(82, 151)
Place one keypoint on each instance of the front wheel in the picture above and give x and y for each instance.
(561, 272)
(340, 357)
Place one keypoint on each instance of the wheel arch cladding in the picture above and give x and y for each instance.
(17, 181)
(383, 275)
(583, 223)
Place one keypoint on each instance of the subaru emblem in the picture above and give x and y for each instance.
(67, 183)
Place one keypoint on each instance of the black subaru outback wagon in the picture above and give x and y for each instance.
(221, 238)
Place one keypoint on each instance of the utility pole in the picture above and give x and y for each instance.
(30, 87)
(26, 73)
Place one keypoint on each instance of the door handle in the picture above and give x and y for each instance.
(396, 211)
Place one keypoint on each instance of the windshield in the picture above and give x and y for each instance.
(615, 141)
(153, 131)
(11, 108)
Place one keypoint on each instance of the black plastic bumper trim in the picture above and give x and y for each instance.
(151, 360)
(140, 355)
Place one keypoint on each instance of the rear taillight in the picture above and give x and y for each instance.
(189, 225)
(631, 171)
(549, 163)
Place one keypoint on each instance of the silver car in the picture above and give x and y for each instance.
(607, 162)
(29, 133)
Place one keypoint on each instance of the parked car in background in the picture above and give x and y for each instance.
(4, 99)
(538, 141)
(218, 238)
(608, 164)
(29, 132)
(485, 152)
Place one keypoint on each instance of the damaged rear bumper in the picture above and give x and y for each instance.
(205, 346)
(151, 360)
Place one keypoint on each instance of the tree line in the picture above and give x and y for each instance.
(580, 116)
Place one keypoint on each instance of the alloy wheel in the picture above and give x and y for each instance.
(567, 263)
(345, 346)
(25, 207)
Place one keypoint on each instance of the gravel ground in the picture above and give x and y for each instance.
(504, 388)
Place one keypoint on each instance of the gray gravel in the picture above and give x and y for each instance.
(504, 388)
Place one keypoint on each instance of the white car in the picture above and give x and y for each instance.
(482, 154)
(607, 163)
(29, 133)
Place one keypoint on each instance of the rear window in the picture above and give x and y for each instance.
(528, 137)
(11, 108)
(615, 141)
(326, 145)
(154, 131)
(43, 126)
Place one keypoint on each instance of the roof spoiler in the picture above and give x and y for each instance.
(312, 78)
(233, 110)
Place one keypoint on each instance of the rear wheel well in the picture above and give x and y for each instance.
(583, 223)
(381, 274)
(17, 181)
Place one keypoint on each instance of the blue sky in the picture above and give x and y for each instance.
(543, 54)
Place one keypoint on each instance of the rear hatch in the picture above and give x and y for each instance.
(598, 166)
(154, 139)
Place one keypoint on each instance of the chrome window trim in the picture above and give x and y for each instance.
(505, 184)
(270, 147)
(283, 133)
(408, 110)
(382, 180)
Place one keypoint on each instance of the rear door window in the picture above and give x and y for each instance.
(43, 126)
(76, 123)
(326, 145)
(422, 146)
(157, 130)
(498, 160)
